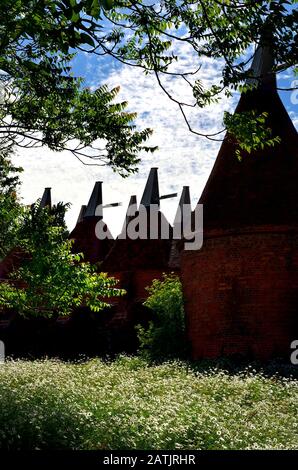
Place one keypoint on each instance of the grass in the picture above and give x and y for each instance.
(127, 404)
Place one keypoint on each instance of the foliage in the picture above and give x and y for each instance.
(242, 128)
(43, 103)
(9, 205)
(52, 280)
(147, 35)
(213, 28)
(38, 40)
(165, 336)
(128, 405)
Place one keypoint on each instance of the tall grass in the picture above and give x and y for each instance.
(127, 404)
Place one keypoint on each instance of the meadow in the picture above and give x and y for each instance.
(129, 404)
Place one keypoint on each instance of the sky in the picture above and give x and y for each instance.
(182, 158)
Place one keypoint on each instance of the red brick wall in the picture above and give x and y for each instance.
(135, 282)
(142, 279)
(241, 293)
(11, 262)
(85, 240)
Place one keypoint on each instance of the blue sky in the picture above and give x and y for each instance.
(182, 158)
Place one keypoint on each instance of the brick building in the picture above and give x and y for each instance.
(241, 288)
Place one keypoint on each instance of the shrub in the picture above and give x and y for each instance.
(164, 338)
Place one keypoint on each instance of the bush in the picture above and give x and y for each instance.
(165, 336)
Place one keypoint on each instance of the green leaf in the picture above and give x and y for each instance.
(95, 9)
(86, 39)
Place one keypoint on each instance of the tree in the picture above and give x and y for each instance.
(42, 103)
(10, 209)
(218, 29)
(51, 279)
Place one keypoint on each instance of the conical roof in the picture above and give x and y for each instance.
(261, 188)
(183, 209)
(151, 191)
(95, 200)
(130, 214)
(128, 254)
(81, 213)
(46, 200)
(183, 206)
(89, 227)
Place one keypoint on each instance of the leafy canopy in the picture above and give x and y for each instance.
(223, 30)
(43, 103)
(146, 34)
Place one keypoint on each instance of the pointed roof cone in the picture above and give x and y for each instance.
(46, 200)
(184, 204)
(261, 189)
(131, 210)
(90, 228)
(184, 208)
(151, 191)
(184, 200)
(129, 254)
(82, 213)
(94, 201)
(263, 63)
(130, 213)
